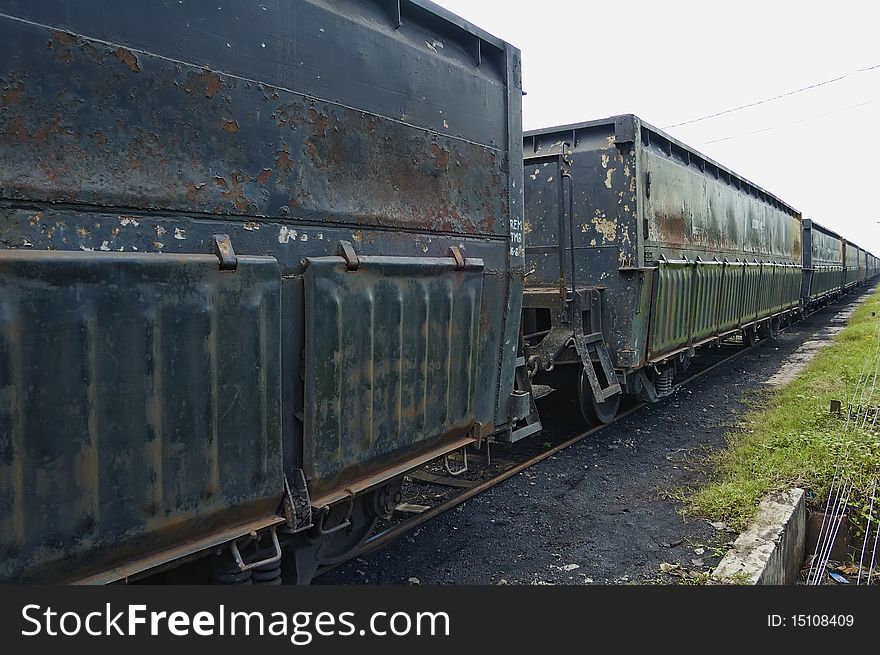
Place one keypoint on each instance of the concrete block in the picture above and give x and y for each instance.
(771, 550)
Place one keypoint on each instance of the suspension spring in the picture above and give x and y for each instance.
(663, 383)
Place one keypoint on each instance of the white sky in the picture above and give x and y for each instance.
(672, 60)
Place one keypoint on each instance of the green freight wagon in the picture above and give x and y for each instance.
(639, 250)
(823, 264)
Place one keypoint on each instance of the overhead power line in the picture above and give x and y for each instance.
(789, 124)
(777, 97)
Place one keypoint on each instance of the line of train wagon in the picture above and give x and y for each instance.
(261, 260)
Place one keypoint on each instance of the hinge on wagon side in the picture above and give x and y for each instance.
(297, 504)
(346, 250)
(225, 253)
(455, 252)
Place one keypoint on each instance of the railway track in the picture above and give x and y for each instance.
(507, 460)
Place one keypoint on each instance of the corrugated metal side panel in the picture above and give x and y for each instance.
(824, 280)
(750, 291)
(852, 263)
(795, 275)
(707, 296)
(672, 307)
(139, 404)
(765, 290)
(390, 362)
(771, 287)
(729, 310)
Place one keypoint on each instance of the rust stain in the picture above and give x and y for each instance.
(16, 129)
(93, 52)
(672, 228)
(99, 137)
(230, 126)
(320, 122)
(127, 57)
(207, 83)
(36, 218)
(264, 175)
(192, 190)
(221, 182)
(440, 155)
(12, 95)
(283, 161)
(235, 193)
(63, 38)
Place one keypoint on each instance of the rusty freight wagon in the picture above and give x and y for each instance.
(639, 250)
(823, 264)
(258, 260)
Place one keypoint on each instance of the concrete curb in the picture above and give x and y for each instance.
(771, 550)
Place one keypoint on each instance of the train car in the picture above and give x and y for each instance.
(823, 259)
(853, 257)
(258, 261)
(639, 250)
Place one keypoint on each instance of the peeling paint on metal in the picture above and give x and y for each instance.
(127, 57)
(605, 226)
(608, 174)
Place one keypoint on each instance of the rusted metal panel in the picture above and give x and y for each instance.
(391, 361)
(213, 142)
(601, 225)
(151, 126)
(140, 404)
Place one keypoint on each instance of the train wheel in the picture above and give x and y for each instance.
(595, 413)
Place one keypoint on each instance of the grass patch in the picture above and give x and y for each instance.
(791, 439)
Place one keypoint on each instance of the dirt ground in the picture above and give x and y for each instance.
(609, 509)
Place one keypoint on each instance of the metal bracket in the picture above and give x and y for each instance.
(225, 253)
(346, 250)
(455, 252)
(478, 433)
(297, 505)
(624, 129)
(343, 524)
(276, 557)
(462, 469)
